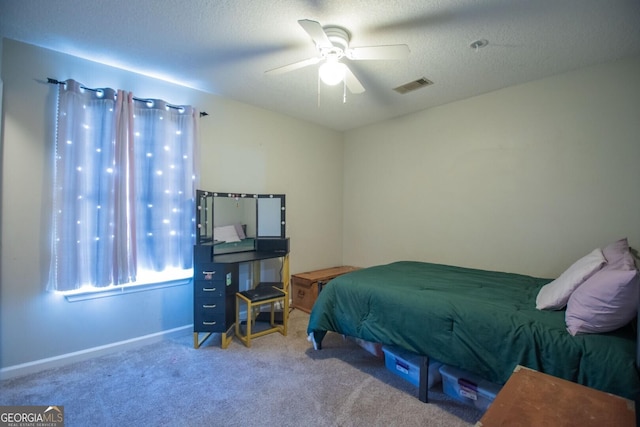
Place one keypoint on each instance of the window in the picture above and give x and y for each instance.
(124, 190)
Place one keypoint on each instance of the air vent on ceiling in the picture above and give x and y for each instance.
(411, 86)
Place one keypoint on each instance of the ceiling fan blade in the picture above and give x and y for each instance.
(395, 51)
(352, 81)
(294, 66)
(315, 31)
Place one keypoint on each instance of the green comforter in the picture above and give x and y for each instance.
(481, 321)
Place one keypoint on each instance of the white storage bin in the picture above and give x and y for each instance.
(407, 365)
(468, 388)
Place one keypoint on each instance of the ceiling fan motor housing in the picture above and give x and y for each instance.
(339, 37)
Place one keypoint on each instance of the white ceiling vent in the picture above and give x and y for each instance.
(411, 86)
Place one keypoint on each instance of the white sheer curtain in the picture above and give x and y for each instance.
(164, 147)
(123, 191)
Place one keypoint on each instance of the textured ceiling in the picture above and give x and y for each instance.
(223, 47)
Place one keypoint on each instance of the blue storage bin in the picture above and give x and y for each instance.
(406, 365)
(468, 388)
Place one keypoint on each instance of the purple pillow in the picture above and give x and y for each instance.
(606, 301)
(625, 262)
(613, 252)
(240, 231)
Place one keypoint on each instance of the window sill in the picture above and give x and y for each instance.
(125, 290)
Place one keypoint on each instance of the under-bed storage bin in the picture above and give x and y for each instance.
(406, 365)
(468, 388)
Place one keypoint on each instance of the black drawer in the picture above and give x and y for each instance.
(209, 271)
(214, 289)
(208, 289)
(209, 305)
(209, 322)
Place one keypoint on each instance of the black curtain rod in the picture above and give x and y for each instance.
(177, 107)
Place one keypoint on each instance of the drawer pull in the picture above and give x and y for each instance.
(208, 275)
(209, 306)
(208, 323)
(208, 289)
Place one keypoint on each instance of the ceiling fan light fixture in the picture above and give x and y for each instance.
(332, 72)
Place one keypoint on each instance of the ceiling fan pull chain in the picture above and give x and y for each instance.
(318, 91)
(344, 91)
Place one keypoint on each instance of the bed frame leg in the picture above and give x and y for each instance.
(424, 379)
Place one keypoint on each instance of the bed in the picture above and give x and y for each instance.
(232, 238)
(484, 322)
(246, 244)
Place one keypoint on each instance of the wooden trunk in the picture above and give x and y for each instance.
(305, 286)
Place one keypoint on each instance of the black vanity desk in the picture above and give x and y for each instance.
(216, 281)
(240, 257)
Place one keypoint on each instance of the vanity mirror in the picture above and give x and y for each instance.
(234, 222)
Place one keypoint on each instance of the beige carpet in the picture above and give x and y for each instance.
(278, 381)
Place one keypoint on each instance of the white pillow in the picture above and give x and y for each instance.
(226, 233)
(554, 295)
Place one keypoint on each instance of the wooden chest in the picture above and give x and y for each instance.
(304, 286)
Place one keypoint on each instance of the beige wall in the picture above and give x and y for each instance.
(255, 151)
(243, 149)
(525, 179)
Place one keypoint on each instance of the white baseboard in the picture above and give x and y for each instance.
(89, 353)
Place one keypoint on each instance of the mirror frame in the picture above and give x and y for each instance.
(201, 211)
(283, 215)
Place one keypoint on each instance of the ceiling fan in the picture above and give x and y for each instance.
(332, 44)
